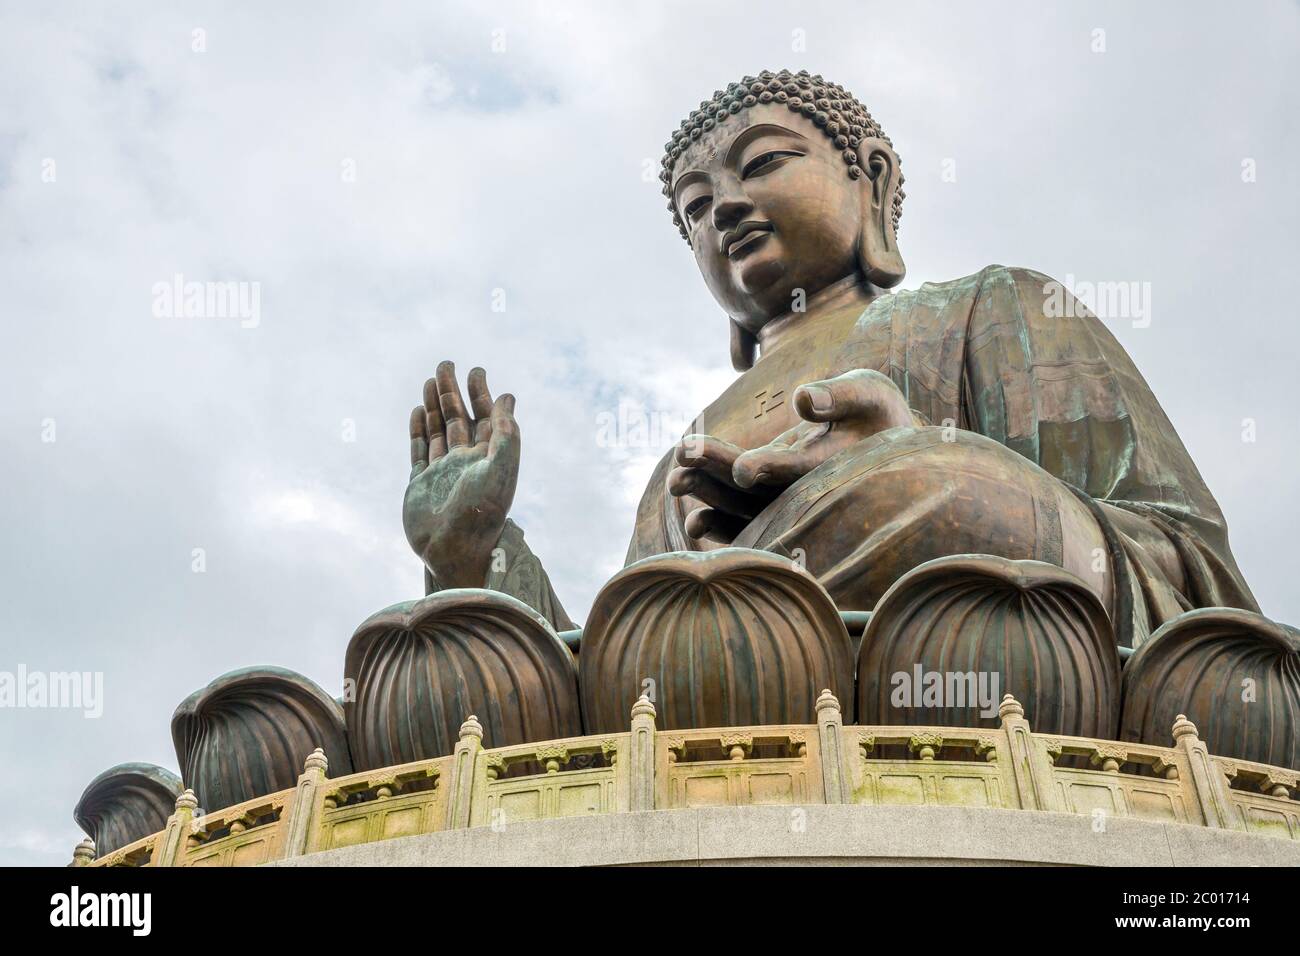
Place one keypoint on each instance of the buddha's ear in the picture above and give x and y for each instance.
(878, 254)
(743, 346)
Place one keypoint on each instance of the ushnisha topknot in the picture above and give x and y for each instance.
(832, 108)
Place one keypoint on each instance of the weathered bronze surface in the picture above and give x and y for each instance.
(719, 639)
(418, 669)
(869, 431)
(125, 803)
(1032, 627)
(1233, 673)
(248, 732)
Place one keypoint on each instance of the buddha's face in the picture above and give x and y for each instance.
(770, 210)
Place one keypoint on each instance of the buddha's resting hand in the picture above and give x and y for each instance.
(464, 469)
(704, 472)
(736, 485)
(837, 413)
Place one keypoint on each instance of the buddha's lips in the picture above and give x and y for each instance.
(744, 236)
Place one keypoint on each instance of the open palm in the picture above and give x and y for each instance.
(464, 469)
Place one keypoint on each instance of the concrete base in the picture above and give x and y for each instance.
(810, 835)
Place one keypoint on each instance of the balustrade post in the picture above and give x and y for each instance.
(171, 846)
(830, 749)
(303, 812)
(641, 770)
(464, 766)
(1208, 784)
(1027, 762)
(84, 854)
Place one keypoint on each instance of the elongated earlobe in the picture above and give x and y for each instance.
(743, 348)
(878, 254)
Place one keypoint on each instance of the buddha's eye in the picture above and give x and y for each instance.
(766, 162)
(696, 206)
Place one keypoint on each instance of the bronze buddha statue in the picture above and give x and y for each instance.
(985, 473)
(869, 431)
(870, 435)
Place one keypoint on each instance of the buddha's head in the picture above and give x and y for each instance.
(783, 185)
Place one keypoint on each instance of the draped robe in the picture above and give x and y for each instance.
(1038, 439)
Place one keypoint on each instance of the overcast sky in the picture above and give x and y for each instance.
(380, 169)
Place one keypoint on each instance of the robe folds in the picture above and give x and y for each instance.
(1037, 438)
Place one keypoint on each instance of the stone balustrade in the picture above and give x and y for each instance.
(1007, 767)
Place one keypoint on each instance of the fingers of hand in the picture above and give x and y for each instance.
(811, 434)
(772, 465)
(852, 394)
(714, 525)
(434, 431)
(480, 403)
(711, 455)
(504, 441)
(419, 442)
(454, 414)
(694, 482)
(503, 454)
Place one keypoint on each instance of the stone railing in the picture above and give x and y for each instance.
(1004, 767)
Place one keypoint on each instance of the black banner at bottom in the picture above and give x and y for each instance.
(331, 906)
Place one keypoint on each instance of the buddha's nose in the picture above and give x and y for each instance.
(730, 206)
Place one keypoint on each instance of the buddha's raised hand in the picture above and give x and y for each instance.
(837, 413)
(464, 468)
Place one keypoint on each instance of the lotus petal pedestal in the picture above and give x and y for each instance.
(420, 668)
(247, 734)
(126, 803)
(718, 638)
(1035, 629)
(1233, 673)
